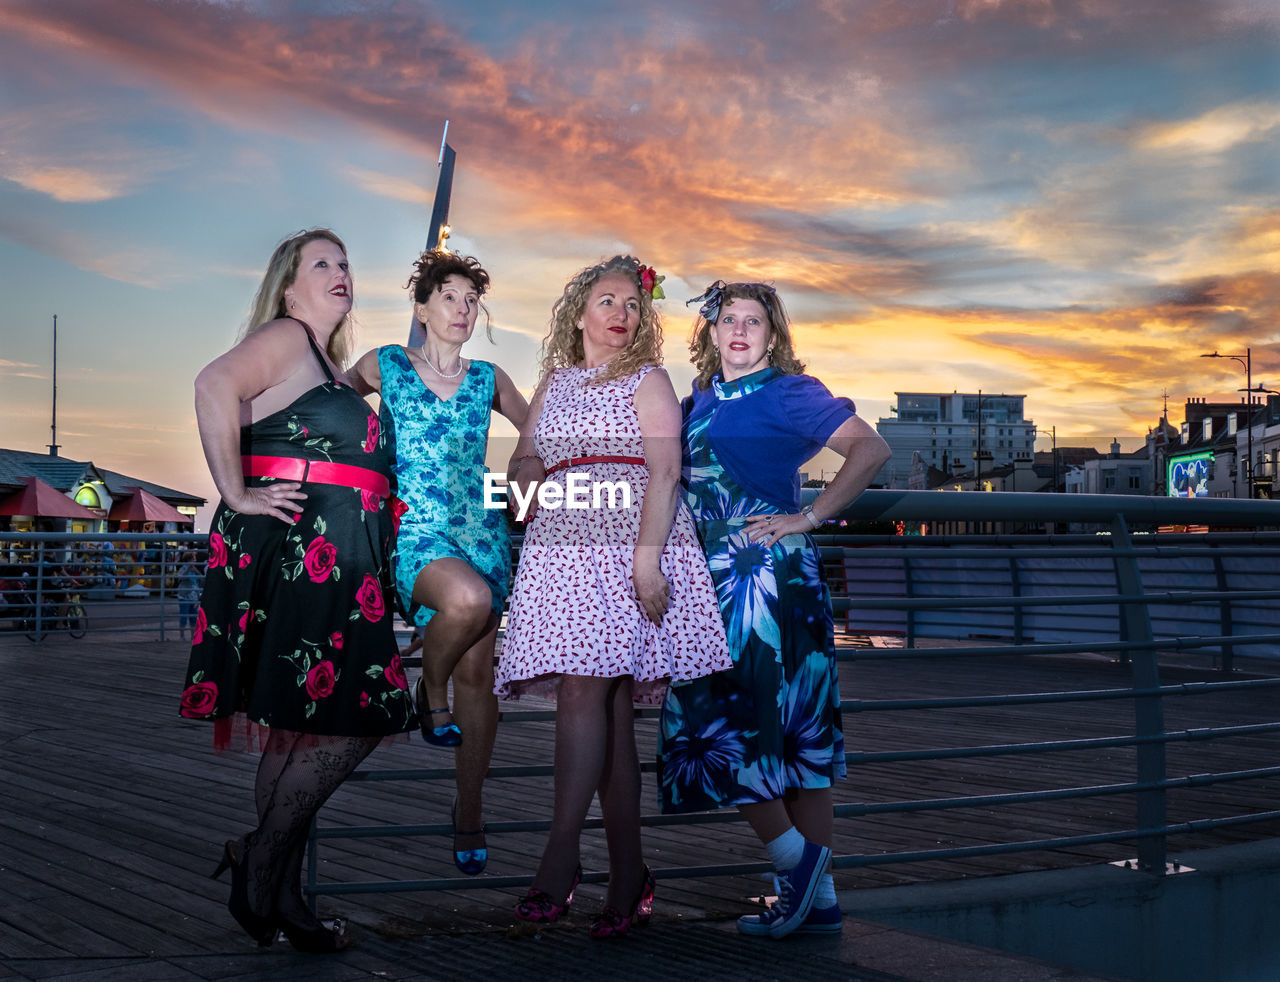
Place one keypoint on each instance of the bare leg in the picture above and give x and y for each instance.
(581, 725)
(463, 606)
(768, 819)
(620, 799)
(475, 707)
(812, 811)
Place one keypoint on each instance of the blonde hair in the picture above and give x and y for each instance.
(706, 357)
(562, 346)
(282, 270)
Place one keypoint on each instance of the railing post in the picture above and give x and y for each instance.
(1135, 618)
(1224, 613)
(1015, 588)
(40, 590)
(164, 583)
(313, 863)
(908, 590)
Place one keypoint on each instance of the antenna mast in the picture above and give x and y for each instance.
(53, 423)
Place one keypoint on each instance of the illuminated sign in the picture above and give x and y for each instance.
(1188, 476)
(90, 498)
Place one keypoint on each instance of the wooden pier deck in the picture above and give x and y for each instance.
(113, 808)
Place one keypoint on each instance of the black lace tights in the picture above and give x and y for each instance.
(297, 774)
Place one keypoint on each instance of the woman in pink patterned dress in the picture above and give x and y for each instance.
(612, 598)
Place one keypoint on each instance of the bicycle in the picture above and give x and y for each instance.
(77, 619)
(73, 619)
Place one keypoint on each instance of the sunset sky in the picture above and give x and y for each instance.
(1070, 199)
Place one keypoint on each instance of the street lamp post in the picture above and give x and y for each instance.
(1247, 361)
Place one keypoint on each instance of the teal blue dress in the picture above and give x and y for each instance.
(772, 721)
(438, 478)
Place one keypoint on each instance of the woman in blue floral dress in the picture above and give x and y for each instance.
(453, 556)
(293, 646)
(765, 735)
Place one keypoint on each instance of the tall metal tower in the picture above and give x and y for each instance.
(438, 231)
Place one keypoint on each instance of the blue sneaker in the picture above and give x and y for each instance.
(797, 888)
(757, 925)
(826, 920)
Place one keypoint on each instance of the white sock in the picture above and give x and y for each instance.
(786, 850)
(826, 895)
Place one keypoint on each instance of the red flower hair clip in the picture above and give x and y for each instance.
(651, 282)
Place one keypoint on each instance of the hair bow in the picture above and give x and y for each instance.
(710, 300)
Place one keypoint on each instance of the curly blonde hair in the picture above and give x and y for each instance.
(282, 270)
(706, 357)
(563, 344)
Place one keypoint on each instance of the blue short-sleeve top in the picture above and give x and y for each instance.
(764, 426)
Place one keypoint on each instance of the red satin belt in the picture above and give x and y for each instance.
(599, 459)
(317, 472)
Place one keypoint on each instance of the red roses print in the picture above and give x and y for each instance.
(217, 551)
(369, 597)
(320, 558)
(198, 699)
(320, 680)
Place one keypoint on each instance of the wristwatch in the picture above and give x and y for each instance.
(814, 520)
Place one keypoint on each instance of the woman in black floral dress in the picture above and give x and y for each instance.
(293, 649)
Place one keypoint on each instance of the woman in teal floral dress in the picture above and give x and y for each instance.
(293, 646)
(453, 556)
(765, 735)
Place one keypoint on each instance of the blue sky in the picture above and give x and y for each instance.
(1070, 200)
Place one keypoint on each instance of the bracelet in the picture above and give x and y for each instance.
(814, 520)
(519, 461)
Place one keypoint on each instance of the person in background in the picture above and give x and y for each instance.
(188, 588)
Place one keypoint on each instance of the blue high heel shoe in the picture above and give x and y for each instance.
(448, 735)
(469, 861)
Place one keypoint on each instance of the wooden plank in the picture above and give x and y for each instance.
(116, 808)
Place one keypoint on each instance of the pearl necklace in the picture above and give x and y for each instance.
(427, 358)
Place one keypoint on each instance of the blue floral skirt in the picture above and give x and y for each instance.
(772, 722)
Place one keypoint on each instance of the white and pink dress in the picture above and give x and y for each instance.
(573, 607)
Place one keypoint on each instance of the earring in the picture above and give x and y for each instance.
(769, 353)
(293, 303)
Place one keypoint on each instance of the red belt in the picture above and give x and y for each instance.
(317, 472)
(598, 459)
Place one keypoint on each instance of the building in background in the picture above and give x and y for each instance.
(1266, 447)
(953, 433)
(1116, 473)
(119, 502)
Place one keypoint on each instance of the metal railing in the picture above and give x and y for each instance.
(104, 582)
(1125, 594)
(1043, 576)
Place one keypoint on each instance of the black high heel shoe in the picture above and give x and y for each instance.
(226, 862)
(318, 939)
(261, 929)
